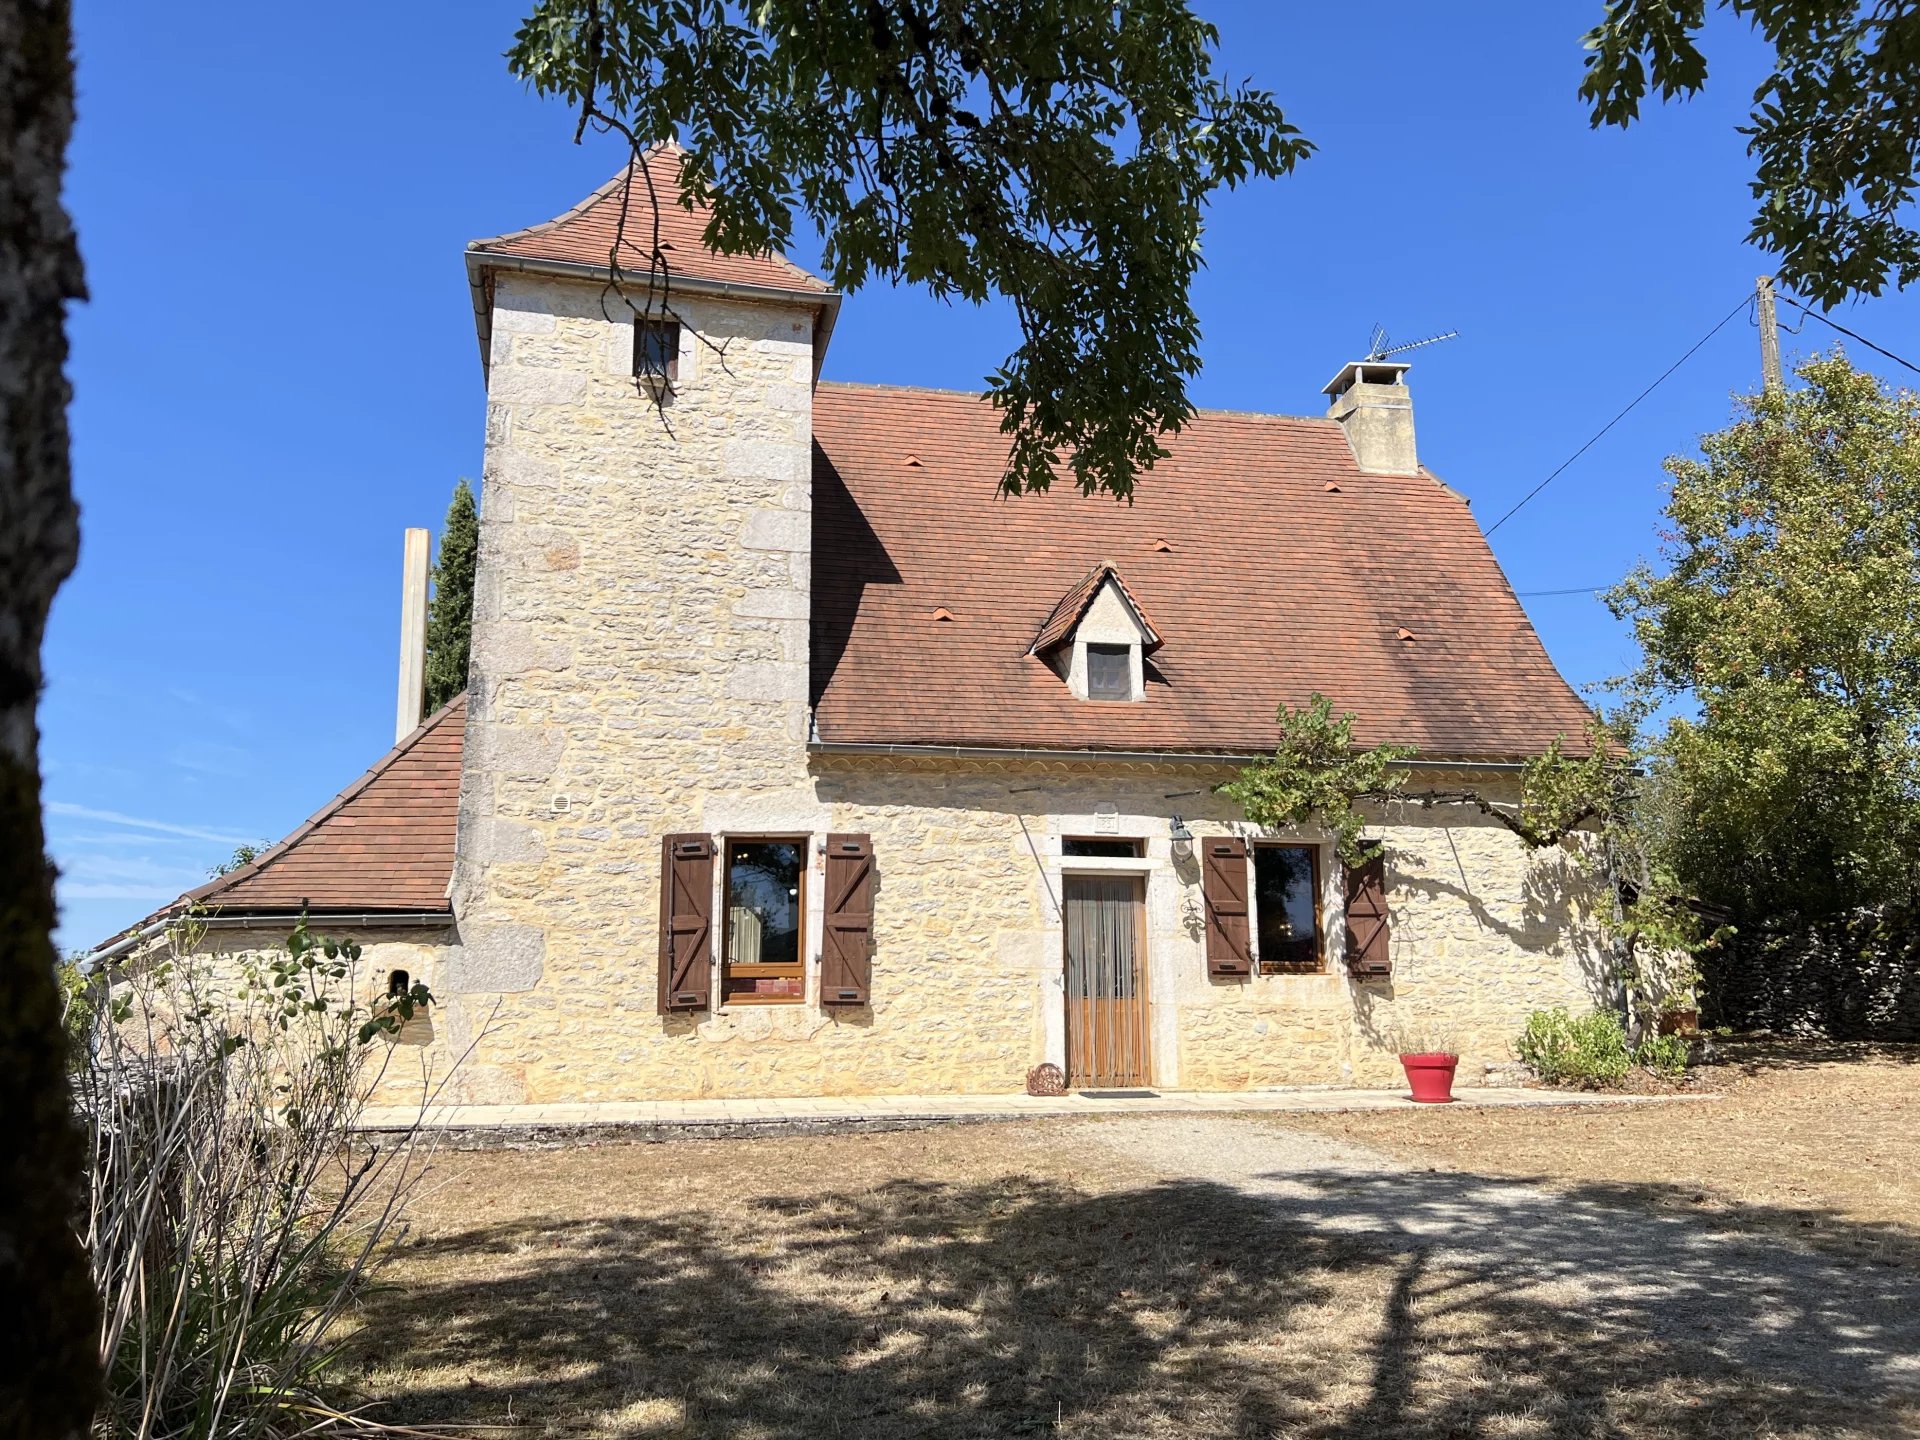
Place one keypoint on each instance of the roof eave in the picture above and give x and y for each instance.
(908, 750)
(482, 264)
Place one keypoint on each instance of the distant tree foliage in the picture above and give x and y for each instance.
(244, 854)
(450, 610)
(1835, 130)
(1788, 612)
(1055, 152)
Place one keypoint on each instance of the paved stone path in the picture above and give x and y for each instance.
(893, 1108)
(1770, 1306)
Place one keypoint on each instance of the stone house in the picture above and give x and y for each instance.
(797, 761)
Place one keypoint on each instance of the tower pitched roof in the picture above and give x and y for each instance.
(644, 213)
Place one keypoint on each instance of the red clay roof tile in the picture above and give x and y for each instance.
(1276, 587)
(384, 843)
(1065, 619)
(621, 214)
(1266, 587)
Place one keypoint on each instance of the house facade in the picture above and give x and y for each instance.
(796, 761)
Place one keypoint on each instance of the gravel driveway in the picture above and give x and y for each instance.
(1772, 1308)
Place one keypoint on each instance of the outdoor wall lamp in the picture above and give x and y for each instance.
(1182, 839)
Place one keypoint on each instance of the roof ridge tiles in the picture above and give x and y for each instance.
(896, 387)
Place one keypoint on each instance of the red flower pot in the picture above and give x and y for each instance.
(1430, 1077)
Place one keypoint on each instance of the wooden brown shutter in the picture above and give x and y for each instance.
(1223, 881)
(686, 922)
(1368, 955)
(846, 965)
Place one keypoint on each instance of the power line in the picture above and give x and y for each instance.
(1745, 300)
(1851, 334)
(1576, 590)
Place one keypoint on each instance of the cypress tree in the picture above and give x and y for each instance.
(450, 611)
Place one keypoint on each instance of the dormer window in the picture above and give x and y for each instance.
(1097, 639)
(1109, 672)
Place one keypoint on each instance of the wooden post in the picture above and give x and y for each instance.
(1769, 334)
(413, 635)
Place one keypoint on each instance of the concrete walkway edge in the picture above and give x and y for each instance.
(809, 1112)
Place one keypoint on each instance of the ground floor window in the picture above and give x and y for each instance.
(1286, 897)
(766, 905)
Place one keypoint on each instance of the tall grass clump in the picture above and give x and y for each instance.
(233, 1211)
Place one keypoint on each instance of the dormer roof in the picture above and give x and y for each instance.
(1066, 616)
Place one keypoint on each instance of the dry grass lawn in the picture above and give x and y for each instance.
(1819, 1143)
(978, 1281)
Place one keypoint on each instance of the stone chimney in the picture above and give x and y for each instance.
(1371, 402)
(413, 635)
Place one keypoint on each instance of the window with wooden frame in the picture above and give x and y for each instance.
(656, 349)
(1109, 672)
(1286, 900)
(765, 890)
(1101, 847)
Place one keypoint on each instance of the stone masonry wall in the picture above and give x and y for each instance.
(405, 1069)
(640, 640)
(967, 972)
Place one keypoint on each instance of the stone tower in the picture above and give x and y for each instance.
(641, 607)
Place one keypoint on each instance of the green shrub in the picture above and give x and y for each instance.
(1585, 1049)
(1667, 1055)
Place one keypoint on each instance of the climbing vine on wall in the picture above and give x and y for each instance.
(1317, 776)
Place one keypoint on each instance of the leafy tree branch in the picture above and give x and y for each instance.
(1834, 129)
(1317, 776)
(1055, 152)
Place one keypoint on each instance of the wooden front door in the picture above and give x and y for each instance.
(1106, 981)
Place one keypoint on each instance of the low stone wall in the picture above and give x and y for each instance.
(404, 1069)
(1847, 982)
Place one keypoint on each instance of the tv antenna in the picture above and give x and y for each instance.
(1379, 347)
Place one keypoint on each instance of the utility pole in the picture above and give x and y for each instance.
(1769, 334)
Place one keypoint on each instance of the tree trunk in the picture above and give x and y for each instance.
(49, 1379)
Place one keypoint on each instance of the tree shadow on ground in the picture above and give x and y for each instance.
(1025, 1306)
(1764, 1054)
(1627, 1255)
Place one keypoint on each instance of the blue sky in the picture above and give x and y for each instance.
(277, 372)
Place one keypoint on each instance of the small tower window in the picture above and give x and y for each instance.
(1109, 672)
(656, 349)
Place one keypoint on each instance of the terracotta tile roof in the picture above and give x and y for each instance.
(586, 234)
(1265, 584)
(383, 843)
(1060, 625)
